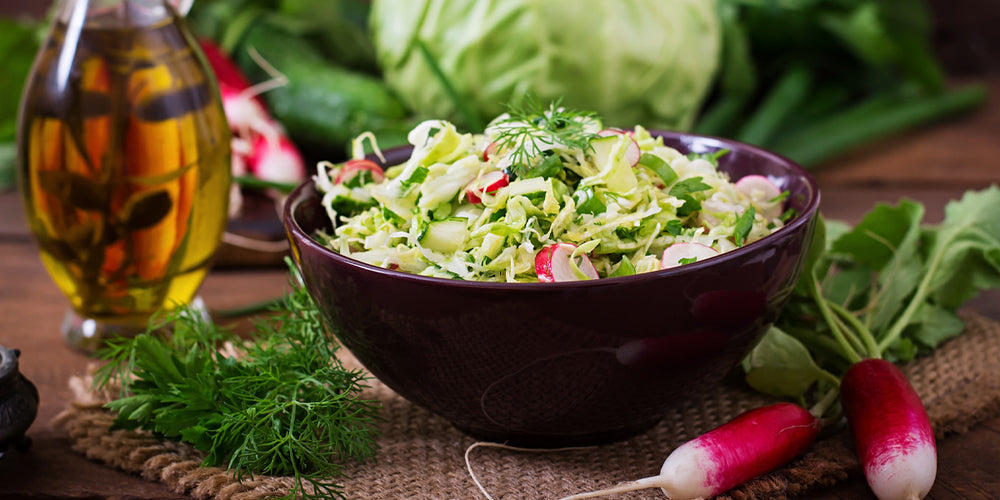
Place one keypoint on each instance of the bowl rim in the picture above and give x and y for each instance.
(811, 208)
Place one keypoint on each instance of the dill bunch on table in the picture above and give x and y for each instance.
(280, 403)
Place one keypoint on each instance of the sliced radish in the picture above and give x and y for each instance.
(487, 183)
(758, 187)
(490, 151)
(632, 151)
(554, 263)
(615, 131)
(763, 193)
(677, 252)
(354, 167)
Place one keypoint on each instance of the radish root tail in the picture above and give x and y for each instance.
(639, 484)
(484, 444)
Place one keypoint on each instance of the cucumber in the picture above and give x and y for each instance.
(323, 106)
(446, 236)
(617, 169)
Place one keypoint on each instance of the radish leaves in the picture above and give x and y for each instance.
(782, 366)
(888, 287)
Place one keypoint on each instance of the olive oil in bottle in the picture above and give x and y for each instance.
(124, 163)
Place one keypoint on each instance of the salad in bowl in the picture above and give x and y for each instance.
(551, 281)
(545, 195)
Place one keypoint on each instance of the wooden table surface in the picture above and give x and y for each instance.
(932, 166)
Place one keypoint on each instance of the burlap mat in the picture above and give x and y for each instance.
(422, 456)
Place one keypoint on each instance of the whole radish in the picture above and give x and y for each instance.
(752, 444)
(892, 432)
(260, 144)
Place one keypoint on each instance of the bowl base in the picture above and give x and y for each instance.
(550, 441)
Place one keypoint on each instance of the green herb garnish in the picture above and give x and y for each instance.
(280, 404)
(743, 226)
(689, 186)
(529, 126)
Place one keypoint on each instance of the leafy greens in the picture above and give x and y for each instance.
(281, 404)
(811, 79)
(888, 287)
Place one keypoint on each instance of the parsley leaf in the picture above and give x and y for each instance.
(688, 186)
(743, 226)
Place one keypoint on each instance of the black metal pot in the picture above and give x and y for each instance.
(18, 403)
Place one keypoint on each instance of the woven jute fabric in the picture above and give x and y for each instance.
(422, 457)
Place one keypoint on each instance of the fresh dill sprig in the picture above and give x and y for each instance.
(280, 404)
(530, 129)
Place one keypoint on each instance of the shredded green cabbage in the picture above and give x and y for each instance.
(419, 219)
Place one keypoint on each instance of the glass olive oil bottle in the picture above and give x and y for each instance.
(124, 162)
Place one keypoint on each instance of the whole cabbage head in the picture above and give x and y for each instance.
(648, 62)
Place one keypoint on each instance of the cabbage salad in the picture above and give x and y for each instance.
(538, 192)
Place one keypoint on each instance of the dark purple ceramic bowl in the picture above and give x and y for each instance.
(558, 364)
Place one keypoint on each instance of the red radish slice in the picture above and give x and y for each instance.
(761, 191)
(487, 183)
(553, 264)
(752, 444)
(677, 252)
(892, 433)
(355, 167)
(632, 151)
(490, 151)
(615, 131)
(758, 187)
